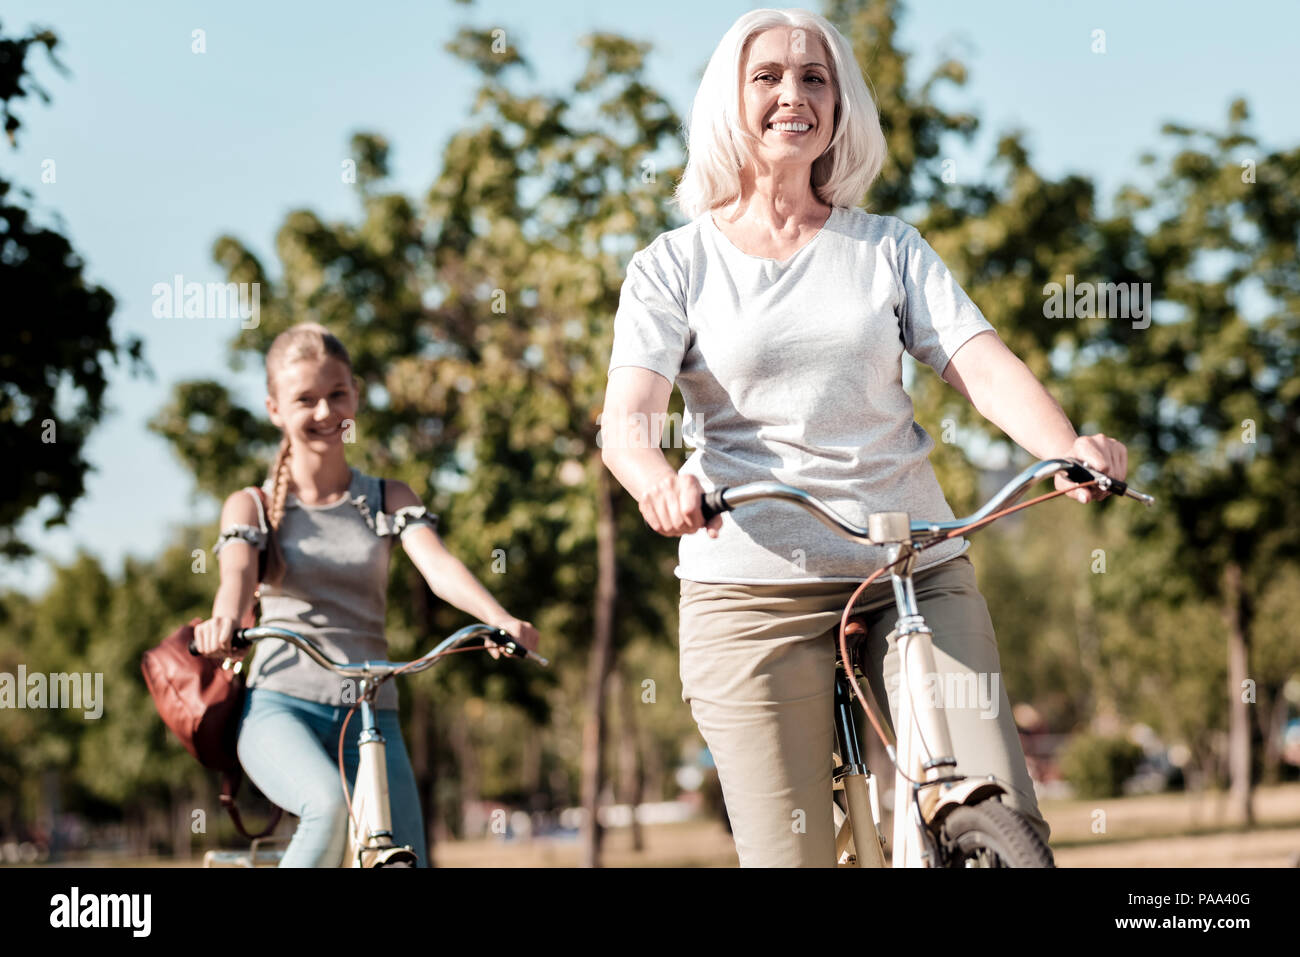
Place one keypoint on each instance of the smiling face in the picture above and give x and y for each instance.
(788, 96)
(313, 400)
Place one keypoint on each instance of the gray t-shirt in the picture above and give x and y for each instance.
(792, 372)
(334, 590)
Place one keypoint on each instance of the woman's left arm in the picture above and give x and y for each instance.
(1004, 391)
(448, 577)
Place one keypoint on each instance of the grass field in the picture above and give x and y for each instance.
(1160, 830)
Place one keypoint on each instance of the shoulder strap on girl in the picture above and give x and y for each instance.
(259, 499)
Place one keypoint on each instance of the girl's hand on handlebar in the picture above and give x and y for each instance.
(212, 638)
(672, 507)
(1099, 452)
(521, 631)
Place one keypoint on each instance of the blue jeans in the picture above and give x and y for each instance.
(289, 749)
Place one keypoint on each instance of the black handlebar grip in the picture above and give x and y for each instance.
(1077, 473)
(506, 642)
(237, 640)
(713, 503)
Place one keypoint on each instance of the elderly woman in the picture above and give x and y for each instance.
(782, 311)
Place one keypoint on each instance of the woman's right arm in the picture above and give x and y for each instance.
(636, 400)
(238, 560)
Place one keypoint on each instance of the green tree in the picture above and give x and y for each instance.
(480, 328)
(1209, 391)
(52, 380)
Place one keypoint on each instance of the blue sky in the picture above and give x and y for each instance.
(158, 150)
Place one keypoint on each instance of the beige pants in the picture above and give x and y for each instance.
(758, 671)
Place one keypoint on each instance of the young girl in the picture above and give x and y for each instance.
(326, 578)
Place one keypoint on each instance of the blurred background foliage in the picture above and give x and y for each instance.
(479, 317)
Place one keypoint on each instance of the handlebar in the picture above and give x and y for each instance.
(243, 637)
(725, 499)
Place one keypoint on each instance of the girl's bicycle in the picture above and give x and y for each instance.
(370, 836)
(941, 818)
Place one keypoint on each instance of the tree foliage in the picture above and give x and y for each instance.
(52, 373)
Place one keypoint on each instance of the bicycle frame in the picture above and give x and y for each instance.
(370, 825)
(926, 788)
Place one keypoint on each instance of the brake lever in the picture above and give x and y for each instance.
(1079, 472)
(512, 649)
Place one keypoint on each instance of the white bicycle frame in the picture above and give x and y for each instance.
(370, 825)
(918, 808)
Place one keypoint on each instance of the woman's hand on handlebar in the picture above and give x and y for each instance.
(212, 638)
(672, 507)
(1099, 452)
(521, 631)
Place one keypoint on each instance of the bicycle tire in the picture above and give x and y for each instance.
(993, 835)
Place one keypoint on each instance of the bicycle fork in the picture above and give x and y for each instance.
(371, 812)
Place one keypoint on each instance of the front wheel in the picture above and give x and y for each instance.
(990, 834)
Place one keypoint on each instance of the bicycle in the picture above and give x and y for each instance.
(941, 817)
(370, 837)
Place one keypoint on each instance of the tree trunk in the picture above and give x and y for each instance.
(1239, 803)
(630, 775)
(598, 668)
(1272, 725)
(1095, 695)
(530, 780)
(182, 808)
(47, 819)
(467, 764)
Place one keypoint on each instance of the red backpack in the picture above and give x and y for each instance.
(201, 699)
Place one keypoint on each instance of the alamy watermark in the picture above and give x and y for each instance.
(208, 300)
(960, 691)
(1123, 300)
(56, 690)
(76, 909)
(642, 431)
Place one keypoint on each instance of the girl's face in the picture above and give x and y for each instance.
(314, 400)
(788, 96)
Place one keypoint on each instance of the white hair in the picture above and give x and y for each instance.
(718, 147)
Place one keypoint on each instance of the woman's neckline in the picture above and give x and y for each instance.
(346, 496)
(767, 259)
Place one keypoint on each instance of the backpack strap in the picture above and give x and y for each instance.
(230, 781)
(259, 499)
(263, 507)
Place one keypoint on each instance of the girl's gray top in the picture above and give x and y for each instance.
(792, 371)
(335, 589)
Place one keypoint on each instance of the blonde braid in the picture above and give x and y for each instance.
(280, 482)
(275, 565)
